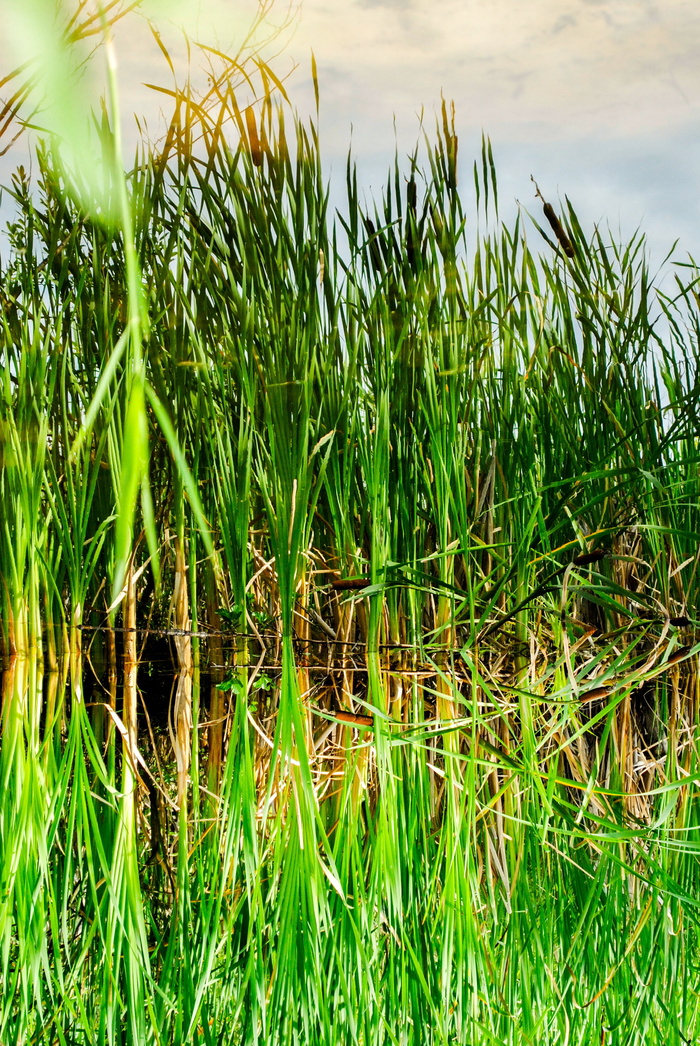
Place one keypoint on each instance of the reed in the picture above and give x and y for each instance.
(349, 643)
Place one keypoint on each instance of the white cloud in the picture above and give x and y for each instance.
(624, 65)
(599, 98)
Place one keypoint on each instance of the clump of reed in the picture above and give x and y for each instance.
(349, 634)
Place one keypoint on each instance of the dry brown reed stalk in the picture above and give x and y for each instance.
(181, 718)
(217, 698)
(111, 680)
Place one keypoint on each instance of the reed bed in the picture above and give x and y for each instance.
(349, 628)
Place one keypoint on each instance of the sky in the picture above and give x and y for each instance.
(599, 100)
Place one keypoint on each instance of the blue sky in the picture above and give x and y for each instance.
(598, 99)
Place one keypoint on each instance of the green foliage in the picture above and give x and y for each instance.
(424, 502)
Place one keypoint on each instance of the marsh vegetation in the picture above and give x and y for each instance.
(349, 575)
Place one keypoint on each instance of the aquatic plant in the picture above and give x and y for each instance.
(348, 575)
